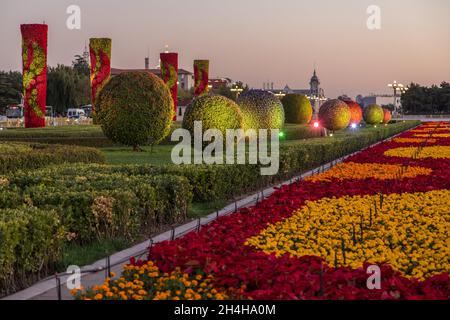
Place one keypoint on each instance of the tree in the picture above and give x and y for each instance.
(10, 88)
(61, 93)
(68, 87)
(81, 65)
(426, 100)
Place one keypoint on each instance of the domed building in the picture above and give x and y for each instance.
(315, 93)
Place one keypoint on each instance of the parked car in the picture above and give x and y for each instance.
(75, 113)
(14, 111)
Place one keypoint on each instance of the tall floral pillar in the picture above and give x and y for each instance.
(201, 77)
(100, 56)
(169, 74)
(34, 76)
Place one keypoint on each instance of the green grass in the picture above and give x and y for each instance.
(59, 131)
(83, 135)
(81, 255)
(125, 155)
(161, 154)
(197, 209)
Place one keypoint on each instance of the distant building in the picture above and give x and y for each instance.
(380, 99)
(185, 78)
(217, 83)
(315, 93)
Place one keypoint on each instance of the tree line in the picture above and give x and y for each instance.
(67, 86)
(426, 100)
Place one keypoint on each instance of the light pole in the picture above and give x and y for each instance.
(396, 86)
(236, 89)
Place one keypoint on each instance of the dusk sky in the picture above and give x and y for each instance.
(254, 41)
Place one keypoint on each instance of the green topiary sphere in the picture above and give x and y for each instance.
(215, 112)
(261, 110)
(135, 108)
(297, 108)
(334, 115)
(373, 114)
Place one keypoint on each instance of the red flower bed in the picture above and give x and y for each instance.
(218, 248)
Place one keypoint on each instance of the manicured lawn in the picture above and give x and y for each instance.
(161, 154)
(74, 254)
(59, 131)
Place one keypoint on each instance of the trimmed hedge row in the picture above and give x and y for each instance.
(211, 182)
(15, 156)
(102, 206)
(31, 241)
(40, 212)
(81, 135)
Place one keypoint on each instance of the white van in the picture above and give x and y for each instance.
(76, 114)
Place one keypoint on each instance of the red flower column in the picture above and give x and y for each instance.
(169, 74)
(34, 76)
(201, 77)
(100, 54)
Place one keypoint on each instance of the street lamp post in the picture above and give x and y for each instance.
(237, 90)
(397, 87)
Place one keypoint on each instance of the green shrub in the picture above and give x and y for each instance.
(261, 110)
(297, 108)
(135, 108)
(103, 204)
(334, 115)
(373, 114)
(297, 132)
(212, 182)
(15, 156)
(215, 112)
(31, 242)
(80, 135)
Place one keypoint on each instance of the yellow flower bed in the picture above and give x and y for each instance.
(429, 129)
(353, 170)
(434, 135)
(436, 152)
(147, 282)
(413, 140)
(410, 232)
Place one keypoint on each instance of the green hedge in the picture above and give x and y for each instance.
(212, 182)
(95, 205)
(81, 135)
(15, 156)
(31, 241)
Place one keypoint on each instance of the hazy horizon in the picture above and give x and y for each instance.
(254, 41)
